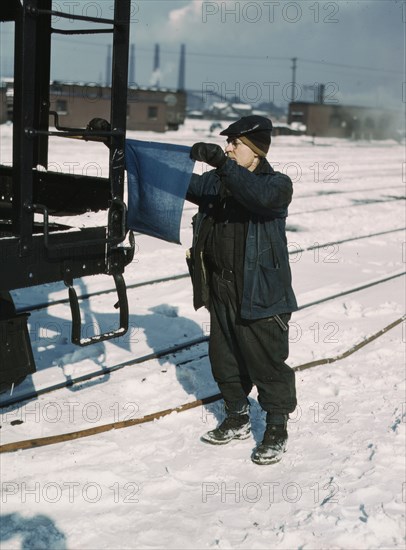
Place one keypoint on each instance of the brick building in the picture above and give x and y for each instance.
(329, 120)
(154, 109)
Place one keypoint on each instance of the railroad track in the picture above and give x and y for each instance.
(173, 349)
(320, 194)
(361, 203)
(180, 347)
(45, 305)
(79, 434)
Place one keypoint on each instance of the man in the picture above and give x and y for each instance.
(240, 271)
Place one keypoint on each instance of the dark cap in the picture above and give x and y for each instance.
(247, 125)
(254, 130)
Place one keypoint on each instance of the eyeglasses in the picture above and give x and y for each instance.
(233, 142)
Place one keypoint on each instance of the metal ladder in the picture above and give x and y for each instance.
(31, 133)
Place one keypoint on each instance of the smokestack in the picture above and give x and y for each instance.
(108, 66)
(131, 74)
(181, 79)
(321, 90)
(156, 66)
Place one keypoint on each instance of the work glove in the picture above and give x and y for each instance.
(99, 125)
(208, 152)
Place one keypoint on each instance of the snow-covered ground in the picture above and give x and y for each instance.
(155, 485)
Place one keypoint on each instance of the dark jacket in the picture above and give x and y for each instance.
(266, 195)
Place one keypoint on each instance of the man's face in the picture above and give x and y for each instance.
(241, 153)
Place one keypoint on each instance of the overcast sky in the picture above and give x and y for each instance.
(357, 48)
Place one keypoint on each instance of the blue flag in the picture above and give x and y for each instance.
(158, 178)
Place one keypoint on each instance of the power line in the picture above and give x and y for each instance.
(237, 56)
(349, 66)
(274, 58)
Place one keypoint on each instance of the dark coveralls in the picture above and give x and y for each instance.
(240, 271)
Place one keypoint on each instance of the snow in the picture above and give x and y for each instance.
(341, 483)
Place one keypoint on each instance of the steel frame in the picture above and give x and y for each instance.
(37, 253)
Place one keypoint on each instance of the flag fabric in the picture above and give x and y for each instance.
(158, 176)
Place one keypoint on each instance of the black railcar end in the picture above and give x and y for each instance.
(36, 252)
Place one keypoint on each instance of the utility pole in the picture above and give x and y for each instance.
(108, 66)
(293, 89)
(292, 95)
(156, 66)
(131, 79)
(181, 79)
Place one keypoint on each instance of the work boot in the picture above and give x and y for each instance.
(274, 442)
(235, 426)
